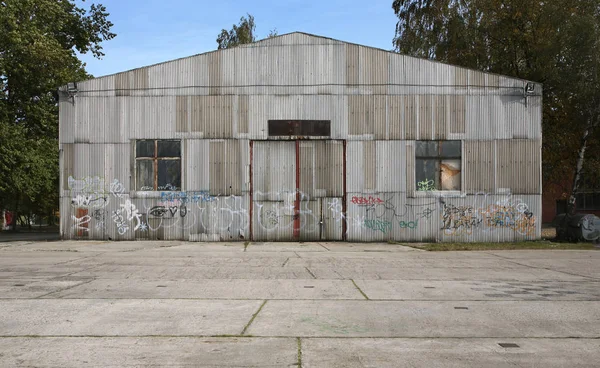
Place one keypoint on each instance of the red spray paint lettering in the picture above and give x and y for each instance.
(366, 200)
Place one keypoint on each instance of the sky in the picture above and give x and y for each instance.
(153, 31)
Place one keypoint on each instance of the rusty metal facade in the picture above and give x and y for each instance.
(358, 184)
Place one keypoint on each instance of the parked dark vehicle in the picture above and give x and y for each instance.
(578, 227)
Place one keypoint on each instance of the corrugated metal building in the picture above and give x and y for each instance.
(301, 137)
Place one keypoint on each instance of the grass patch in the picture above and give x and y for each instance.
(542, 244)
(299, 363)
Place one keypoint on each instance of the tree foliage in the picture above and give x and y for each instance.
(555, 42)
(39, 41)
(239, 34)
(242, 33)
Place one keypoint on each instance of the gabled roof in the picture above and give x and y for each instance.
(302, 38)
(370, 65)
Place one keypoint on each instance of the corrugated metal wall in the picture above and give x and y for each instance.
(236, 181)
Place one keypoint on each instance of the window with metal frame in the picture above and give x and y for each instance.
(589, 201)
(309, 128)
(438, 165)
(158, 165)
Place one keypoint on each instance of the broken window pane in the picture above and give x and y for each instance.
(169, 174)
(145, 175)
(426, 149)
(450, 149)
(169, 149)
(438, 165)
(427, 174)
(450, 174)
(144, 149)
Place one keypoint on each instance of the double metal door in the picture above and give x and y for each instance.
(298, 190)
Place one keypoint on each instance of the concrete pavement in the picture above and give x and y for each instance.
(77, 304)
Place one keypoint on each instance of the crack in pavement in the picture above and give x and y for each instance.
(310, 272)
(67, 288)
(253, 317)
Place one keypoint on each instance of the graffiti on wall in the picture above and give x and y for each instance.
(512, 216)
(280, 214)
(381, 214)
(99, 204)
(509, 213)
(459, 220)
(378, 225)
(92, 195)
(365, 201)
(425, 185)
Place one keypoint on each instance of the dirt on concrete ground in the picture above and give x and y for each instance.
(100, 304)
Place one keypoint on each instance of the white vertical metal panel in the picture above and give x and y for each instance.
(329, 168)
(332, 218)
(273, 169)
(370, 165)
(321, 169)
(118, 165)
(391, 166)
(310, 219)
(373, 70)
(395, 117)
(425, 117)
(258, 58)
(479, 123)
(212, 116)
(410, 168)
(222, 218)
(81, 123)
(138, 82)
(151, 117)
(97, 87)
(479, 167)
(476, 79)
(65, 218)
(518, 165)
(227, 68)
(197, 165)
(274, 190)
(226, 168)
(355, 180)
(66, 119)
(67, 164)
(244, 149)
(273, 220)
(523, 116)
(98, 120)
(89, 160)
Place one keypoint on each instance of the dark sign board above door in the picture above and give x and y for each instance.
(311, 128)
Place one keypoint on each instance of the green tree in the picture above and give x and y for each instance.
(242, 33)
(239, 34)
(39, 41)
(555, 42)
(273, 33)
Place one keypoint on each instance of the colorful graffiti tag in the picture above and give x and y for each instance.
(100, 207)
